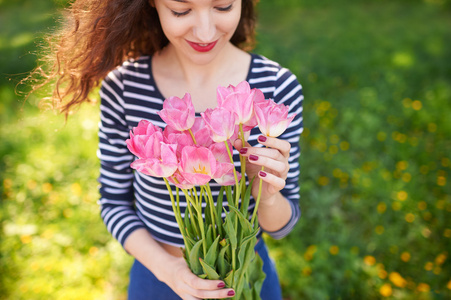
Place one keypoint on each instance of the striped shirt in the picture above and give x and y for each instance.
(131, 200)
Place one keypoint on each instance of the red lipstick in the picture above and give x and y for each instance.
(202, 47)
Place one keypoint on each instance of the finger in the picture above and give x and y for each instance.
(189, 297)
(277, 182)
(267, 152)
(218, 294)
(205, 284)
(207, 289)
(275, 165)
(275, 143)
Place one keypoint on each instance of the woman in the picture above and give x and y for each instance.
(147, 51)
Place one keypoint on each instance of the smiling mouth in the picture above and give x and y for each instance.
(202, 47)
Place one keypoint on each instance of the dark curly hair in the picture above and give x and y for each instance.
(98, 36)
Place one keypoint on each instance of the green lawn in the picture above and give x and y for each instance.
(376, 158)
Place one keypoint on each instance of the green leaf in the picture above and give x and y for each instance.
(223, 264)
(246, 252)
(230, 230)
(247, 293)
(194, 263)
(212, 253)
(209, 236)
(230, 198)
(229, 279)
(245, 224)
(188, 227)
(219, 201)
(256, 276)
(239, 283)
(245, 200)
(191, 241)
(209, 270)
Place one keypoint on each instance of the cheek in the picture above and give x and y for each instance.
(171, 29)
(231, 23)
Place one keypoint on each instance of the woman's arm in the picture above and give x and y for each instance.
(279, 206)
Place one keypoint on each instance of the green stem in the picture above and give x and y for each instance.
(243, 162)
(176, 210)
(192, 136)
(257, 202)
(201, 223)
(231, 160)
(212, 207)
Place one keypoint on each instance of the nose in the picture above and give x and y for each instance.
(205, 29)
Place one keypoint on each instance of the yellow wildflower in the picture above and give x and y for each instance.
(386, 290)
(397, 279)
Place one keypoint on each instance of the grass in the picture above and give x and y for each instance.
(375, 183)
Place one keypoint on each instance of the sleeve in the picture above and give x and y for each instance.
(289, 92)
(116, 177)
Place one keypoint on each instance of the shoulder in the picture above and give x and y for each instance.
(275, 81)
(131, 69)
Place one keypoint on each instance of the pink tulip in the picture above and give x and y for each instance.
(178, 113)
(224, 168)
(221, 123)
(228, 179)
(272, 118)
(259, 97)
(179, 181)
(201, 133)
(223, 92)
(241, 104)
(144, 140)
(197, 165)
(163, 166)
(240, 100)
(156, 158)
(183, 138)
(223, 163)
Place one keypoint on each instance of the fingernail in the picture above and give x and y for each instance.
(243, 150)
(221, 285)
(253, 157)
(262, 174)
(231, 293)
(262, 138)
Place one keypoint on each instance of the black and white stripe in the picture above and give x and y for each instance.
(131, 200)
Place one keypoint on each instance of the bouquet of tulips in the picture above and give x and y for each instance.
(189, 153)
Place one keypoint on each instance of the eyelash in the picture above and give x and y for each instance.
(221, 9)
(180, 14)
(227, 8)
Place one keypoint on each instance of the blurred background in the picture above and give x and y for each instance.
(376, 158)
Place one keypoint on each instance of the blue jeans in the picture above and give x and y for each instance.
(145, 286)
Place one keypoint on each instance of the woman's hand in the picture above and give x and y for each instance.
(190, 287)
(274, 158)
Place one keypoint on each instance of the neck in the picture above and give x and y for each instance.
(194, 73)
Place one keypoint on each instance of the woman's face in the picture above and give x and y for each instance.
(199, 29)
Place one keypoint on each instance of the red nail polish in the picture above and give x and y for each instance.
(231, 293)
(221, 285)
(262, 138)
(253, 157)
(262, 174)
(243, 150)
